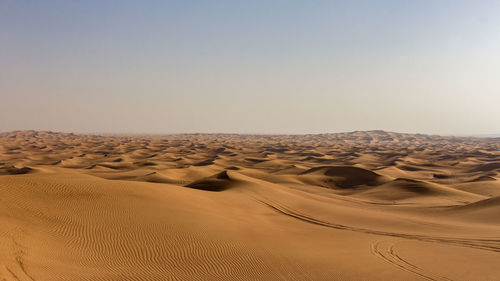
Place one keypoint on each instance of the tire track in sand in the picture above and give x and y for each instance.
(385, 251)
(487, 244)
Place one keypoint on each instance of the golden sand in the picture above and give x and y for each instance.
(353, 206)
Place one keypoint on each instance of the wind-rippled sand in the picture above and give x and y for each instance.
(353, 206)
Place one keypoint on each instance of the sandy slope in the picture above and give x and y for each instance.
(352, 206)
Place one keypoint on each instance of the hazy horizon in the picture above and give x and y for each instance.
(250, 134)
(253, 67)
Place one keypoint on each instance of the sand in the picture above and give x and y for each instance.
(352, 206)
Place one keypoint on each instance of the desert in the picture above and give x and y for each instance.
(249, 140)
(363, 205)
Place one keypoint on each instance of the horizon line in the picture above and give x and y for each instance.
(484, 135)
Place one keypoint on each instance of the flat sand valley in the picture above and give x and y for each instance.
(352, 206)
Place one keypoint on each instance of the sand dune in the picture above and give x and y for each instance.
(346, 177)
(486, 210)
(409, 190)
(218, 182)
(370, 205)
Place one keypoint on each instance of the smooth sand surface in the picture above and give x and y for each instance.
(352, 206)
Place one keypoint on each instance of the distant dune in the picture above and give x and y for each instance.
(371, 205)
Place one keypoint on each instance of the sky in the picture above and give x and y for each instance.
(255, 66)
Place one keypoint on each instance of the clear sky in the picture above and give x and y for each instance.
(282, 66)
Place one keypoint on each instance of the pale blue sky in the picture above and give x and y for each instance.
(251, 66)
